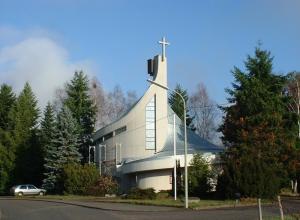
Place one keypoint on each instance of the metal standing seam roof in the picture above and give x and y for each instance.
(196, 144)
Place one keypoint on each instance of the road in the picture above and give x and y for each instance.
(42, 210)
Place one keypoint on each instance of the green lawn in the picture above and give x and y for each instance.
(202, 204)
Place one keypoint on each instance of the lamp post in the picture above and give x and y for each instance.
(185, 140)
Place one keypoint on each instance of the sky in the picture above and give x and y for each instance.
(45, 41)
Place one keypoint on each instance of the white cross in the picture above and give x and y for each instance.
(163, 42)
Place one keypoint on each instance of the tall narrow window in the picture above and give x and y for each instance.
(150, 124)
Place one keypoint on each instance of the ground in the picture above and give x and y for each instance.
(14, 209)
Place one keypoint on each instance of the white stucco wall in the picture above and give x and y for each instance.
(133, 139)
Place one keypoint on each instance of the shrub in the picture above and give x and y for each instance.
(104, 185)
(200, 175)
(163, 194)
(136, 193)
(77, 179)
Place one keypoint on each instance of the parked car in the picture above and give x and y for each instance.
(26, 189)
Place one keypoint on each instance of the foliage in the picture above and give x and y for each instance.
(83, 110)
(257, 127)
(104, 185)
(29, 162)
(136, 193)
(200, 175)
(176, 104)
(7, 144)
(7, 159)
(66, 138)
(78, 179)
(50, 150)
(7, 101)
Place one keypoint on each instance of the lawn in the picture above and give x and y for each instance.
(201, 204)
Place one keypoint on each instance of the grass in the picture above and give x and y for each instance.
(202, 204)
(288, 217)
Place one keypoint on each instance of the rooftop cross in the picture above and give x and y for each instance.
(163, 42)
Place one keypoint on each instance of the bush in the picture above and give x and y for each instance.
(77, 179)
(164, 194)
(136, 193)
(104, 185)
(200, 175)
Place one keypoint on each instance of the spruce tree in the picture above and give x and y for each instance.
(7, 145)
(83, 110)
(47, 135)
(66, 138)
(256, 128)
(7, 101)
(29, 161)
(7, 159)
(176, 104)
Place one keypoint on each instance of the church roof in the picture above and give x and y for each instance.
(196, 144)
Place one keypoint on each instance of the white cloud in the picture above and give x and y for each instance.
(42, 62)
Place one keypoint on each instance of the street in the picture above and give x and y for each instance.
(11, 209)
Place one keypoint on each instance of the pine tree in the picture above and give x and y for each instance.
(47, 133)
(28, 150)
(176, 104)
(257, 127)
(83, 110)
(66, 138)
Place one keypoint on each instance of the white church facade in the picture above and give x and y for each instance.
(138, 148)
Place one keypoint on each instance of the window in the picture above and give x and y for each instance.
(108, 136)
(23, 187)
(118, 154)
(120, 130)
(150, 124)
(31, 187)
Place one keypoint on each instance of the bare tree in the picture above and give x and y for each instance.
(112, 105)
(131, 99)
(117, 103)
(204, 111)
(59, 97)
(293, 91)
(100, 99)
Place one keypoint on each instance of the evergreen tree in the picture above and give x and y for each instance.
(83, 110)
(7, 101)
(66, 138)
(176, 104)
(257, 127)
(7, 159)
(47, 133)
(29, 161)
(7, 145)
(200, 175)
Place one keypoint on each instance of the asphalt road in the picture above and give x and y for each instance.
(41, 210)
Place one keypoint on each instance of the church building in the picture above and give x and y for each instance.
(138, 148)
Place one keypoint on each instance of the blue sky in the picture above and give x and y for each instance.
(43, 42)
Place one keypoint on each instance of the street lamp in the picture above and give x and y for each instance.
(185, 140)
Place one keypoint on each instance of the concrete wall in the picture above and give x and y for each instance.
(158, 179)
(132, 141)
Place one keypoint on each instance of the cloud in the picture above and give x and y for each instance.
(42, 62)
